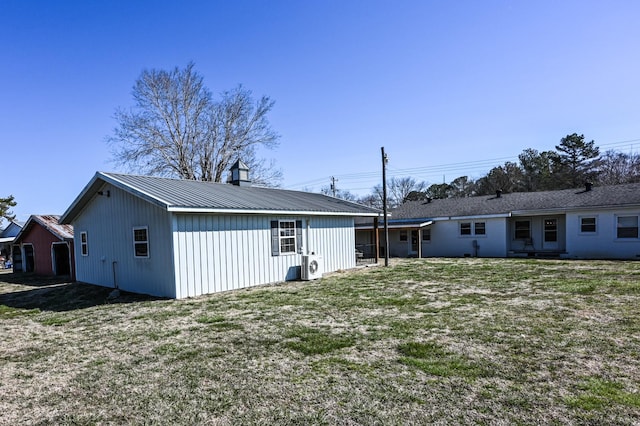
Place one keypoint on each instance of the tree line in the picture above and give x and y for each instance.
(574, 162)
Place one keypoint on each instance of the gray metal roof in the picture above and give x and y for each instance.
(523, 203)
(197, 196)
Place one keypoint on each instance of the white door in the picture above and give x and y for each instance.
(550, 237)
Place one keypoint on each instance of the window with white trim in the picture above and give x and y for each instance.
(627, 226)
(472, 228)
(588, 224)
(84, 244)
(141, 241)
(465, 228)
(287, 236)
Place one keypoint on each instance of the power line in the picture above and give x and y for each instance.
(355, 181)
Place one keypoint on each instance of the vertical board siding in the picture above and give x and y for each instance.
(109, 223)
(231, 252)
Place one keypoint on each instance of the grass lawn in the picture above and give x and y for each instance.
(449, 341)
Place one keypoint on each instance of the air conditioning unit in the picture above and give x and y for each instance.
(312, 267)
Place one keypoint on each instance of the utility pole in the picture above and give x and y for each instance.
(384, 207)
(333, 186)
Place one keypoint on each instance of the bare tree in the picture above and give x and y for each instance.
(372, 200)
(400, 188)
(617, 167)
(343, 194)
(176, 128)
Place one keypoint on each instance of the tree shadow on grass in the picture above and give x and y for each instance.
(58, 295)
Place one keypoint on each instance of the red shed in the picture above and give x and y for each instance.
(45, 247)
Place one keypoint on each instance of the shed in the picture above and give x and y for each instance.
(182, 238)
(45, 247)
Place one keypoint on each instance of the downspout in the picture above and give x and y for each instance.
(113, 266)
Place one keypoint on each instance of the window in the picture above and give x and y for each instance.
(627, 227)
(403, 235)
(141, 242)
(523, 229)
(426, 234)
(469, 228)
(84, 245)
(587, 224)
(287, 236)
(551, 230)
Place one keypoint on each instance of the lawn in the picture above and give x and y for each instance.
(448, 341)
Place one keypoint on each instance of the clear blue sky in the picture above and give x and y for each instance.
(447, 87)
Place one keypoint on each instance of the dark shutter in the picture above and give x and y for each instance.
(275, 240)
(299, 235)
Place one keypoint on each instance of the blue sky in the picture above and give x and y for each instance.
(449, 88)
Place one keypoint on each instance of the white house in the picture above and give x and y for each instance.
(180, 238)
(587, 223)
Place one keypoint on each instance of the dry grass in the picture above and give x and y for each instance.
(449, 341)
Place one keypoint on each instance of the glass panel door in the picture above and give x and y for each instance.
(550, 241)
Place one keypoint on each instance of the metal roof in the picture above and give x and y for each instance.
(12, 229)
(521, 203)
(49, 222)
(197, 196)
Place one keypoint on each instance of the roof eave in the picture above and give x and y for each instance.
(556, 210)
(178, 209)
(481, 216)
(92, 188)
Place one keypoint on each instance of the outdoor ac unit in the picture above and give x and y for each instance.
(311, 267)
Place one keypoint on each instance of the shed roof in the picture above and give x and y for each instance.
(51, 223)
(197, 196)
(11, 230)
(598, 197)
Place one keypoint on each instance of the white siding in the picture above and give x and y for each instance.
(109, 223)
(217, 253)
(335, 240)
(602, 244)
(447, 241)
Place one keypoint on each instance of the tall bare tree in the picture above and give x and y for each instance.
(176, 128)
(400, 188)
(618, 167)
